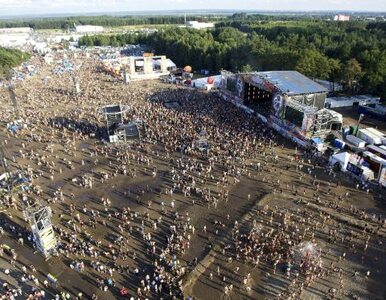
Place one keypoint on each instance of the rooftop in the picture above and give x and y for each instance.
(292, 82)
(110, 109)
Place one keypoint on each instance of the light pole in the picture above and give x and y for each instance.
(361, 116)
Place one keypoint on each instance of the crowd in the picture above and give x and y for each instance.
(145, 246)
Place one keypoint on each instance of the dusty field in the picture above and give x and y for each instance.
(351, 116)
(214, 197)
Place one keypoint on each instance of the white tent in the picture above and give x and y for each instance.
(367, 175)
(342, 158)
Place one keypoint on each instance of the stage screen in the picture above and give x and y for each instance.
(294, 116)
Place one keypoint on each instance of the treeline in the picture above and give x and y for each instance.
(108, 21)
(65, 23)
(10, 58)
(112, 40)
(352, 53)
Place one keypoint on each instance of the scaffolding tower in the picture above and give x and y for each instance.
(322, 123)
(114, 116)
(76, 86)
(11, 91)
(126, 76)
(39, 218)
(5, 176)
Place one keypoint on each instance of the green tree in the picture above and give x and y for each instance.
(335, 72)
(10, 58)
(246, 68)
(352, 73)
(314, 64)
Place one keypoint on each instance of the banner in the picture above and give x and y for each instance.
(354, 169)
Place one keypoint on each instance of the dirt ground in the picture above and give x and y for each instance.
(330, 210)
(351, 116)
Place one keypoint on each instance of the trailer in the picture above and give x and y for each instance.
(375, 162)
(377, 151)
(369, 137)
(375, 110)
(378, 133)
(356, 141)
(360, 100)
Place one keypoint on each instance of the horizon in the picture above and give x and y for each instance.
(192, 12)
(36, 8)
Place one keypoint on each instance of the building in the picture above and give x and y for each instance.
(288, 101)
(148, 67)
(14, 40)
(88, 29)
(199, 25)
(342, 18)
(278, 87)
(15, 37)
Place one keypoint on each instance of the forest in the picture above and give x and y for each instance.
(10, 58)
(352, 53)
(67, 23)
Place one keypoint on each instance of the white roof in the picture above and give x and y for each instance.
(139, 63)
(292, 82)
(16, 30)
(169, 63)
(85, 28)
(375, 131)
(374, 157)
(342, 156)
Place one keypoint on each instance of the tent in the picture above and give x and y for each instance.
(368, 174)
(342, 158)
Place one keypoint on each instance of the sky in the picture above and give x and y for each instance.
(40, 7)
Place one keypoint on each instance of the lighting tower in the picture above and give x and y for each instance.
(14, 101)
(76, 86)
(39, 218)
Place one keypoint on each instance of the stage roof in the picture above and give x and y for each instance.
(292, 82)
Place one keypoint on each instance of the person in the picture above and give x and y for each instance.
(124, 292)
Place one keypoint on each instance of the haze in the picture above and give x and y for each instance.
(39, 7)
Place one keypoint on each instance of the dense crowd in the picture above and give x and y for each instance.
(64, 134)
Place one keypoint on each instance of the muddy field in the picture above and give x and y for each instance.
(162, 219)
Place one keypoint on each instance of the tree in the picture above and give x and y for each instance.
(246, 68)
(10, 58)
(352, 73)
(335, 72)
(314, 64)
(314, 47)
